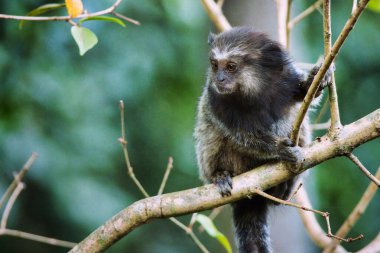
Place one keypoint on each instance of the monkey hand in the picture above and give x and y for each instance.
(287, 152)
(223, 180)
(326, 80)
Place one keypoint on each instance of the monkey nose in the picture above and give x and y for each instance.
(221, 77)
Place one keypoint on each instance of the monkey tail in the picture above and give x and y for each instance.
(251, 225)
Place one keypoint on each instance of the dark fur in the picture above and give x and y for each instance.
(244, 120)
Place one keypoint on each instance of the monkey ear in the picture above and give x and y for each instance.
(211, 38)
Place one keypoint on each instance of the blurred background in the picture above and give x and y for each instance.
(65, 108)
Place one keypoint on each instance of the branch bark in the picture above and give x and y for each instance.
(322, 71)
(207, 197)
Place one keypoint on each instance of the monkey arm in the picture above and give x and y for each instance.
(304, 85)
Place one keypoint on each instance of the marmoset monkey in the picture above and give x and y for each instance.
(245, 115)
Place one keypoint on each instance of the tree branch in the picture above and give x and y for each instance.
(366, 172)
(208, 196)
(304, 14)
(216, 15)
(18, 178)
(374, 246)
(333, 97)
(325, 66)
(355, 214)
(316, 233)
(109, 10)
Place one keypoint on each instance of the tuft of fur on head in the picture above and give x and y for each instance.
(258, 59)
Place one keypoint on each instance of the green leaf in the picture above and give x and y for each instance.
(103, 18)
(374, 5)
(210, 228)
(84, 38)
(39, 10)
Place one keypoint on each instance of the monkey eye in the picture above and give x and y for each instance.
(231, 67)
(214, 64)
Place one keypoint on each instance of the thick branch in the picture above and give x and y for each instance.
(322, 71)
(207, 197)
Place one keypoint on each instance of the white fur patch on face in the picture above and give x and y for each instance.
(223, 54)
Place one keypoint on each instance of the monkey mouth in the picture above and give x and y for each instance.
(225, 89)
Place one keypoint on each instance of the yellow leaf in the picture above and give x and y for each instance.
(74, 7)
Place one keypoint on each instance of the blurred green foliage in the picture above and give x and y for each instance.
(65, 107)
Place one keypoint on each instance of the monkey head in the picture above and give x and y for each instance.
(245, 61)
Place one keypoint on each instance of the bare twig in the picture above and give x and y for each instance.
(208, 196)
(321, 126)
(109, 10)
(37, 238)
(282, 15)
(354, 159)
(190, 232)
(374, 246)
(295, 192)
(304, 14)
(18, 178)
(288, 10)
(128, 19)
(216, 15)
(166, 176)
(20, 186)
(192, 220)
(355, 214)
(311, 224)
(123, 142)
(126, 156)
(323, 214)
(322, 111)
(333, 97)
(325, 66)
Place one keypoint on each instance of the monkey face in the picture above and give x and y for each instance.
(223, 74)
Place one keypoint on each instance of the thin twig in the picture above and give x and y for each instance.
(323, 214)
(282, 13)
(216, 15)
(288, 10)
(374, 246)
(128, 19)
(123, 142)
(304, 14)
(295, 192)
(333, 97)
(316, 233)
(190, 232)
(18, 178)
(125, 151)
(325, 66)
(63, 18)
(354, 159)
(166, 176)
(355, 214)
(20, 186)
(192, 220)
(37, 238)
(321, 126)
(321, 112)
